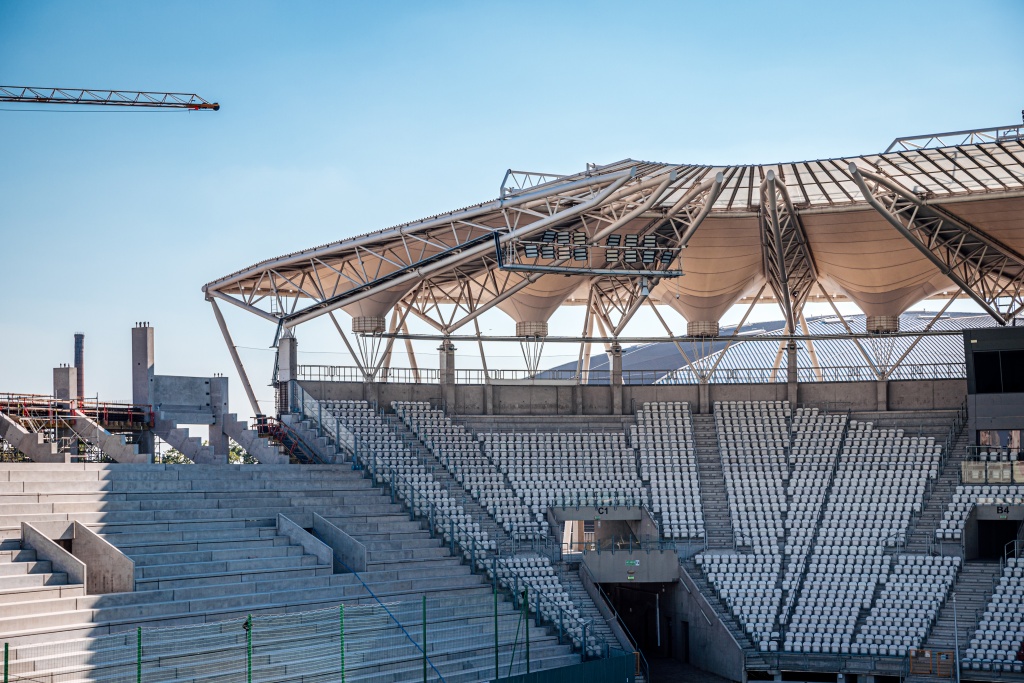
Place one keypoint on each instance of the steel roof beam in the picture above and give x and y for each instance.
(789, 265)
(990, 272)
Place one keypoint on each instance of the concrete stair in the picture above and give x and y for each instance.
(973, 587)
(323, 447)
(190, 446)
(715, 500)
(455, 489)
(256, 446)
(207, 550)
(112, 445)
(922, 531)
(31, 444)
(754, 658)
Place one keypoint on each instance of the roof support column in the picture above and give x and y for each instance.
(446, 375)
(233, 350)
(789, 265)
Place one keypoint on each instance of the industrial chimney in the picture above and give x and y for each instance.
(80, 363)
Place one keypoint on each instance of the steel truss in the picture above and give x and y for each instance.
(990, 272)
(119, 98)
(788, 263)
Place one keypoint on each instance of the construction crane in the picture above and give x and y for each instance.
(115, 98)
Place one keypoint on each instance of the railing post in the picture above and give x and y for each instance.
(583, 648)
(248, 649)
(526, 620)
(451, 531)
(497, 673)
(424, 639)
(138, 656)
(7, 650)
(341, 638)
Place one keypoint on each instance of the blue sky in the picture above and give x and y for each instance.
(340, 118)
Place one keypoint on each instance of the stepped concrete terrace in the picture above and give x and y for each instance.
(455, 489)
(206, 549)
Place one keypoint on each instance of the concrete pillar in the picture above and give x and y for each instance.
(287, 368)
(371, 392)
(577, 399)
(65, 383)
(219, 406)
(882, 388)
(616, 379)
(447, 374)
(143, 364)
(488, 398)
(791, 374)
(703, 398)
(143, 368)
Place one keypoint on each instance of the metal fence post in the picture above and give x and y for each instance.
(451, 526)
(7, 646)
(341, 638)
(526, 620)
(248, 649)
(138, 655)
(497, 672)
(424, 639)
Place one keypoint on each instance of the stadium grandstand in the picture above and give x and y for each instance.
(834, 496)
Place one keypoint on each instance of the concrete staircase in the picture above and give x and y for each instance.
(256, 446)
(455, 489)
(922, 530)
(190, 446)
(23, 577)
(323, 447)
(717, 520)
(112, 445)
(206, 550)
(570, 580)
(973, 587)
(29, 443)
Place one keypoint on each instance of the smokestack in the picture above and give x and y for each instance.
(80, 363)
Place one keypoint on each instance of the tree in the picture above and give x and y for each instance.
(239, 456)
(173, 456)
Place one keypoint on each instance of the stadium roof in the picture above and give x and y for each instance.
(933, 216)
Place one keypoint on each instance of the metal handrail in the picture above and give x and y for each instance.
(645, 669)
(271, 426)
(328, 425)
(393, 617)
(684, 375)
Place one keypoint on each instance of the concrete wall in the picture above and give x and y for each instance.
(567, 399)
(311, 545)
(639, 566)
(711, 647)
(107, 568)
(349, 550)
(187, 397)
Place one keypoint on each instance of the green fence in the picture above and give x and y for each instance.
(416, 640)
(620, 667)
